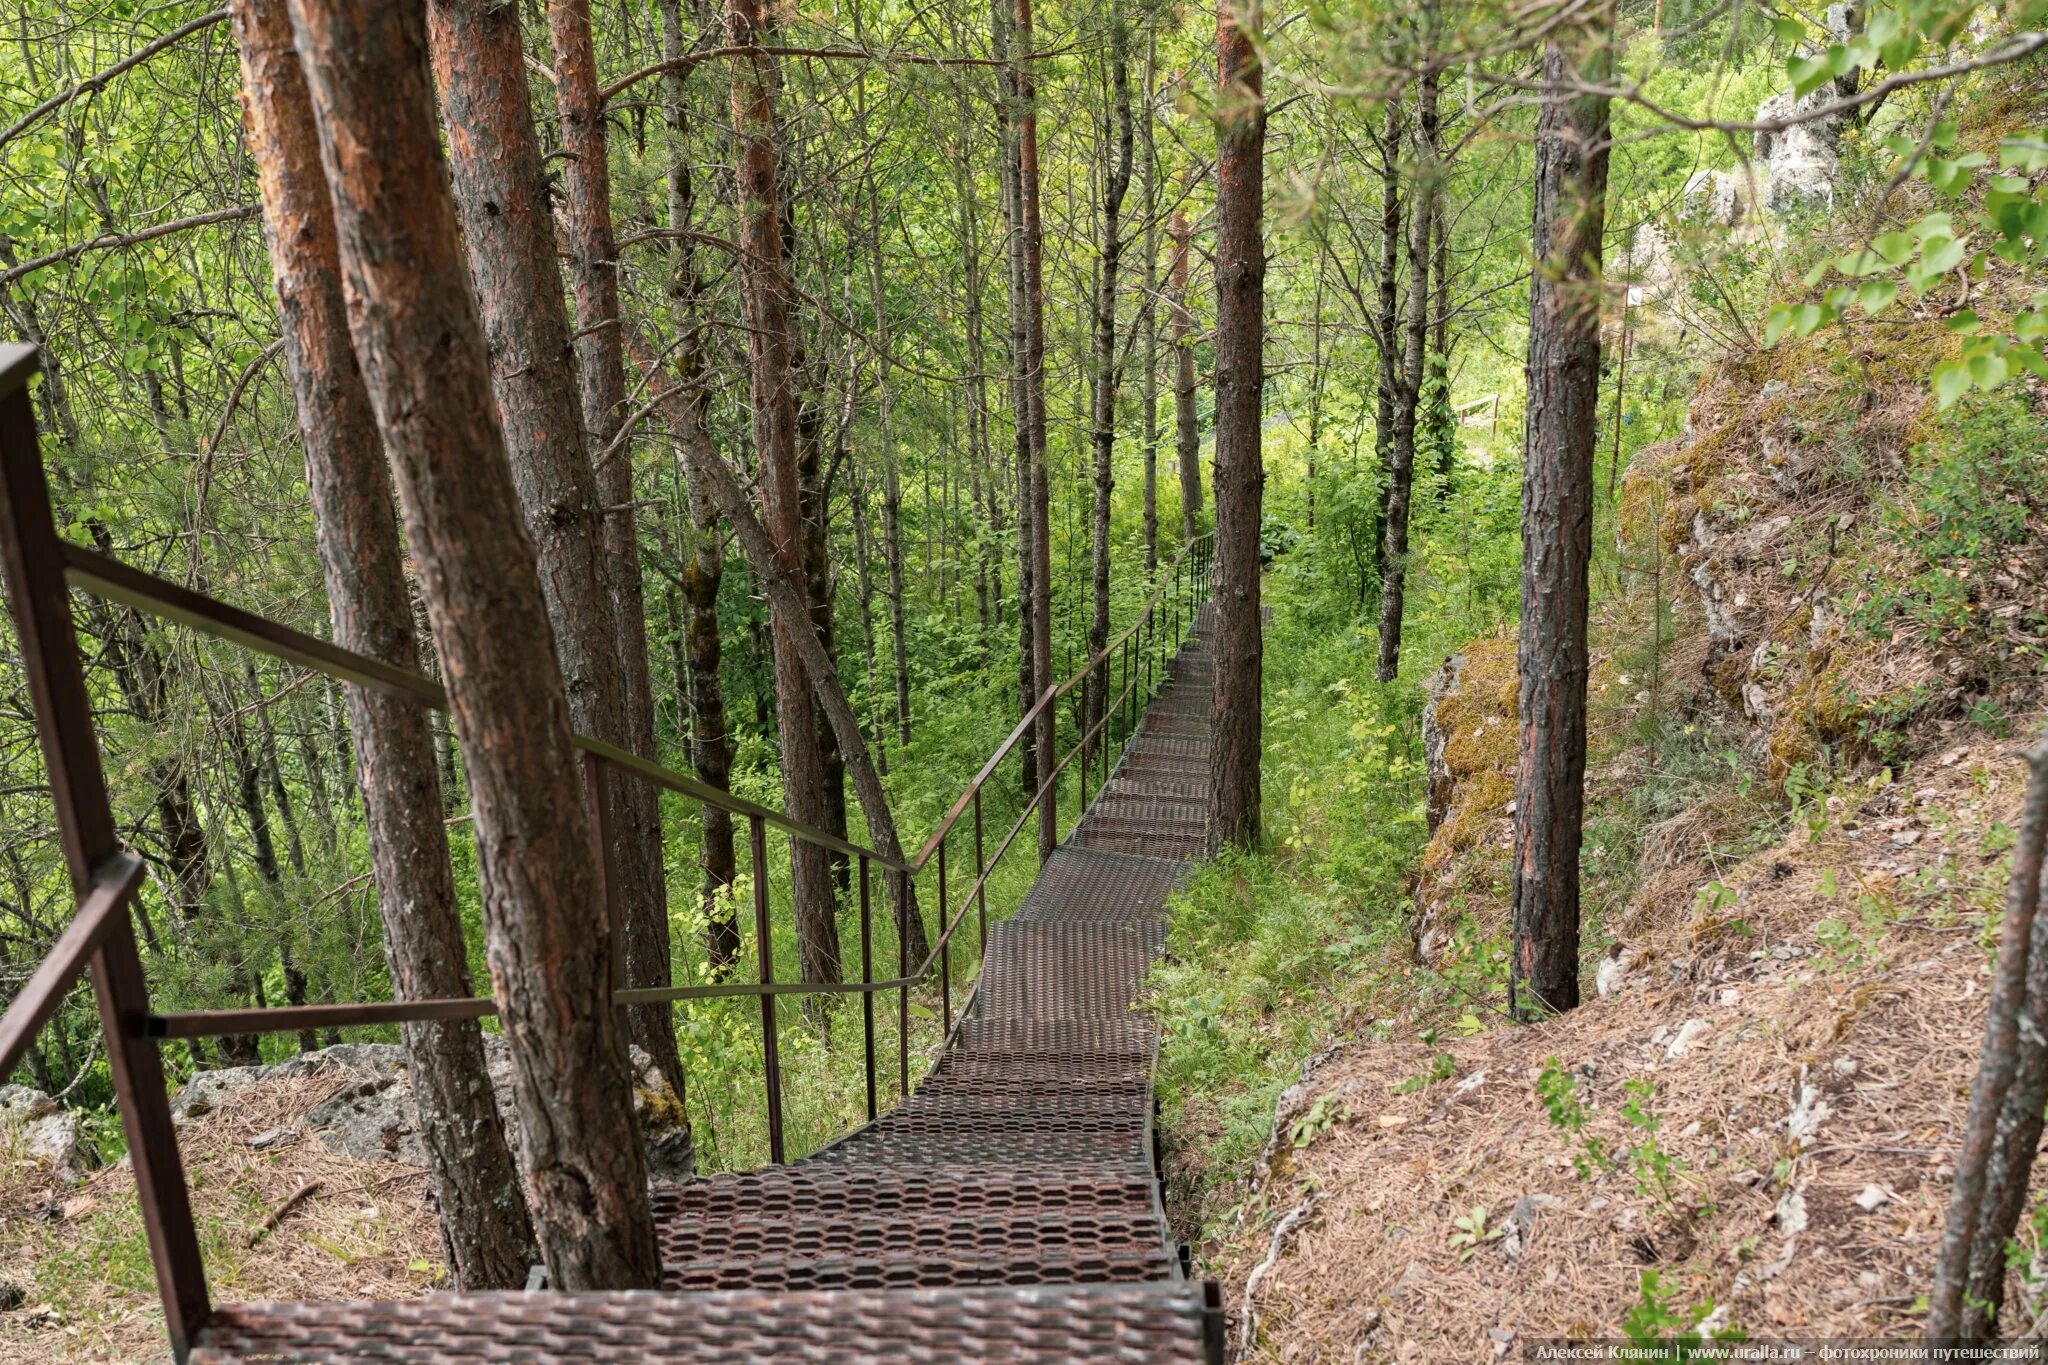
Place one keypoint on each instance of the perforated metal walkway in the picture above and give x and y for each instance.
(1007, 1210)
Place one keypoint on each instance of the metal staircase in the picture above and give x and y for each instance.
(1007, 1209)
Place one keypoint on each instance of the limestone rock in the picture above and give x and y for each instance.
(35, 1126)
(1801, 161)
(1438, 781)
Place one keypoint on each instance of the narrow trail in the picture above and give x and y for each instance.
(1009, 1209)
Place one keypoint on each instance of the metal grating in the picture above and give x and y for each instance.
(1081, 884)
(1147, 1324)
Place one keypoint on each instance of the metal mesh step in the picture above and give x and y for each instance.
(1082, 884)
(1119, 1324)
(841, 1253)
(1066, 970)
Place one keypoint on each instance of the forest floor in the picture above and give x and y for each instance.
(281, 1216)
(1775, 1079)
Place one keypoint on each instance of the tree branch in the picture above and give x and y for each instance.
(120, 239)
(95, 82)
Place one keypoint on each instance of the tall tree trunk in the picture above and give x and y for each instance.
(703, 568)
(1557, 522)
(484, 1226)
(784, 588)
(892, 560)
(1148, 315)
(1103, 365)
(501, 194)
(816, 502)
(764, 289)
(1240, 475)
(1032, 235)
(864, 584)
(425, 363)
(1186, 425)
(1408, 393)
(1001, 22)
(2002, 1135)
(601, 367)
(1387, 329)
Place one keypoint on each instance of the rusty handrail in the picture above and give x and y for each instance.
(113, 887)
(293, 1018)
(107, 578)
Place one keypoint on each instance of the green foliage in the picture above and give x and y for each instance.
(1469, 1232)
(2005, 227)
(1558, 1090)
(1970, 492)
(1663, 1327)
(1318, 1119)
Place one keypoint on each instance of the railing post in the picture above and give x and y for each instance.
(1176, 601)
(867, 977)
(41, 604)
(1049, 809)
(1081, 743)
(903, 913)
(771, 1052)
(980, 888)
(945, 947)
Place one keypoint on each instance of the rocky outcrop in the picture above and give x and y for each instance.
(36, 1127)
(371, 1114)
(1435, 740)
(1794, 168)
(1469, 747)
(1799, 163)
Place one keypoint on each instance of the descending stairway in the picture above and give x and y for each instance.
(1007, 1210)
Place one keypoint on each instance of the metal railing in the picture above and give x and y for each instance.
(41, 570)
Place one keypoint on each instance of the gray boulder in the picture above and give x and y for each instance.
(1800, 162)
(35, 1126)
(371, 1115)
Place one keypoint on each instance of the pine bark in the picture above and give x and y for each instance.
(484, 1225)
(1148, 315)
(426, 366)
(2002, 1133)
(1234, 752)
(1408, 391)
(1001, 23)
(501, 195)
(601, 369)
(1032, 241)
(764, 289)
(1557, 527)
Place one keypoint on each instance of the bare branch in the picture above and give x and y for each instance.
(860, 54)
(96, 82)
(111, 240)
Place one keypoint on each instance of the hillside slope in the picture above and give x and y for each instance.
(1808, 694)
